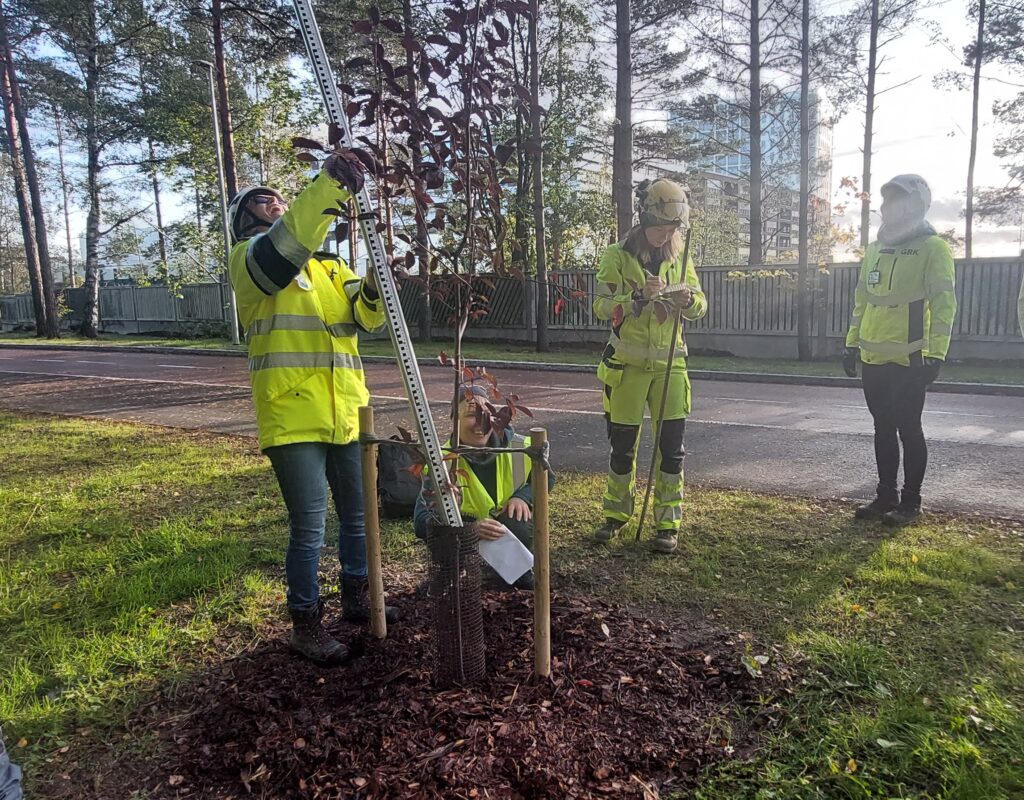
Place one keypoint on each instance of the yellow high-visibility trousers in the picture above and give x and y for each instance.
(624, 406)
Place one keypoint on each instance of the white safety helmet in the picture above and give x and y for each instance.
(240, 220)
(662, 202)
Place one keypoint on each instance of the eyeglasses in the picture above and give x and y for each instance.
(263, 199)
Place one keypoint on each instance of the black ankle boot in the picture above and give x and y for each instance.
(908, 510)
(885, 501)
(309, 638)
(355, 602)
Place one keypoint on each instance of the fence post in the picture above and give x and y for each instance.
(529, 305)
(822, 284)
(135, 309)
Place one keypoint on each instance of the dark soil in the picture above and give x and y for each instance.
(627, 712)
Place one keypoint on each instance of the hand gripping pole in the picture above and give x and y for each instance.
(385, 279)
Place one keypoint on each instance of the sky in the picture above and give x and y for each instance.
(918, 128)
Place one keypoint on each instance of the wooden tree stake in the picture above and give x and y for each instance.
(378, 624)
(541, 566)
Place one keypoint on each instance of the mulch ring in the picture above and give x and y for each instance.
(626, 713)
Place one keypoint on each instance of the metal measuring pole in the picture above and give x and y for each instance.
(232, 302)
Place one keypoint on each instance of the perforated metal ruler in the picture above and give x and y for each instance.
(385, 279)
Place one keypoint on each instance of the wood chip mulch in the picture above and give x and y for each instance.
(627, 713)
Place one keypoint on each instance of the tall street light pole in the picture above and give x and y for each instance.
(232, 303)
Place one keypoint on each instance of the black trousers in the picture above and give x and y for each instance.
(895, 398)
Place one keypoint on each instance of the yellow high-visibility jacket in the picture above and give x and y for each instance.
(905, 302)
(513, 471)
(301, 311)
(642, 341)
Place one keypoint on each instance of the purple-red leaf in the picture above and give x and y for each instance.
(309, 144)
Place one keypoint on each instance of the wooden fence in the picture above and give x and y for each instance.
(751, 310)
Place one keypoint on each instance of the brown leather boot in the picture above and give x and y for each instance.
(310, 639)
(355, 602)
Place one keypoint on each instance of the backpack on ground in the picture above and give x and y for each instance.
(397, 487)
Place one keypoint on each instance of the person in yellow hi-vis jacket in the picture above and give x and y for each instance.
(904, 307)
(495, 490)
(640, 278)
(302, 310)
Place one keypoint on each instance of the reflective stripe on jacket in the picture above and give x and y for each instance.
(301, 313)
(905, 302)
(643, 341)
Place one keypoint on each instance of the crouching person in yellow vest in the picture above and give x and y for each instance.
(647, 264)
(495, 488)
(302, 311)
(904, 306)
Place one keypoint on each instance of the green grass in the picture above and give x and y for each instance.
(25, 338)
(582, 354)
(135, 556)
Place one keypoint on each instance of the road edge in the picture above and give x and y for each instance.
(942, 387)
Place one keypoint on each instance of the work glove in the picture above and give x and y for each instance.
(929, 369)
(346, 169)
(851, 355)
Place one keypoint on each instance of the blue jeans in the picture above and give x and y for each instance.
(304, 471)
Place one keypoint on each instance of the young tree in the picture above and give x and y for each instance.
(886, 22)
(745, 114)
(976, 56)
(65, 189)
(23, 156)
(1002, 41)
(803, 269)
(14, 273)
(649, 73)
(537, 143)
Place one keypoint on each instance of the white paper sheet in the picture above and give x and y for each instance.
(508, 556)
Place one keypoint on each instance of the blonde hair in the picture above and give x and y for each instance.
(636, 245)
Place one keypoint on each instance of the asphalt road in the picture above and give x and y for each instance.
(802, 440)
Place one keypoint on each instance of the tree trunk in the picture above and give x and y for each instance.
(538, 181)
(64, 191)
(869, 121)
(154, 179)
(51, 325)
(556, 165)
(755, 253)
(199, 222)
(622, 142)
(227, 139)
(421, 242)
(91, 316)
(35, 279)
(803, 307)
(161, 239)
(979, 54)
(521, 237)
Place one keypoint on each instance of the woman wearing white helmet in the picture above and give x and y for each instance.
(302, 310)
(904, 307)
(641, 285)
